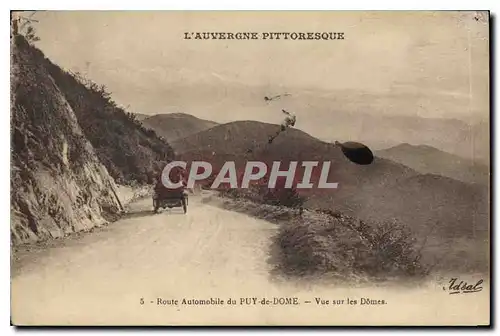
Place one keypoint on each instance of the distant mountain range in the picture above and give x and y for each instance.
(429, 160)
(380, 131)
(380, 120)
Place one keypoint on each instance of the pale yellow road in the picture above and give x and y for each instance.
(100, 278)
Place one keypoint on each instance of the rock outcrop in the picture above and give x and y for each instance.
(58, 184)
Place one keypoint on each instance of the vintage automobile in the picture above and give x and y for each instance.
(164, 197)
(170, 199)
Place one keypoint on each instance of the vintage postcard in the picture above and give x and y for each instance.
(260, 168)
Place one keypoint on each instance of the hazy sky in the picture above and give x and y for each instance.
(433, 64)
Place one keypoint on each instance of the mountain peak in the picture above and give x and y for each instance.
(173, 126)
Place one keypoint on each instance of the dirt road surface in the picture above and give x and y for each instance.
(101, 277)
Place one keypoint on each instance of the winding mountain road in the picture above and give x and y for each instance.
(100, 278)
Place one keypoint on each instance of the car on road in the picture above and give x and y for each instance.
(164, 197)
(170, 199)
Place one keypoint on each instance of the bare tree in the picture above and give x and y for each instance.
(23, 25)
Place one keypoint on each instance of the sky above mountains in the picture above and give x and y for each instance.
(429, 64)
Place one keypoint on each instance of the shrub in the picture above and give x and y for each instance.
(343, 247)
(260, 193)
(288, 197)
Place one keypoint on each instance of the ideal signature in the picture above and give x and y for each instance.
(457, 286)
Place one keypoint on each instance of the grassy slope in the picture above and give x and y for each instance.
(381, 191)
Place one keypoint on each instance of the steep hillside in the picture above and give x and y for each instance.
(173, 126)
(429, 160)
(58, 184)
(384, 190)
(429, 204)
(127, 149)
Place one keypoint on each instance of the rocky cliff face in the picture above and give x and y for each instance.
(58, 185)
